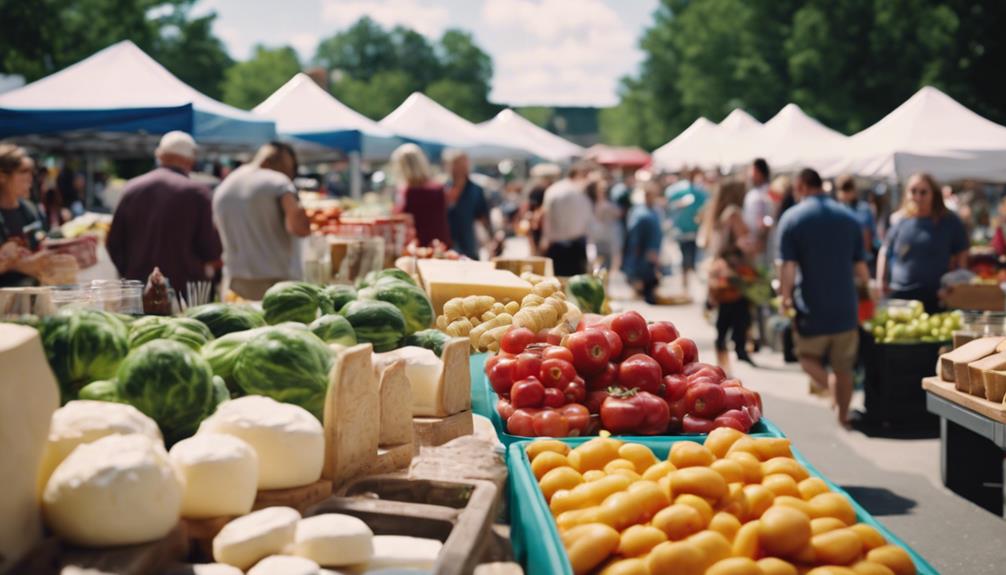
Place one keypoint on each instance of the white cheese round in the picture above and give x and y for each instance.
(402, 552)
(204, 569)
(289, 441)
(285, 565)
(333, 540)
(84, 421)
(118, 490)
(246, 540)
(221, 475)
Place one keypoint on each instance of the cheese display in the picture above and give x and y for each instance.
(220, 472)
(333, 540)
(436, 391)
(285, 565)
(204, 569)
(118, 490)
(352, 428)
(977, 371)
(402, 552)
(395, 400)
(83, 421)
(29, 395)
(995, 385)
(953, 364)
(444, 283)
(246, 540)
(287, 439)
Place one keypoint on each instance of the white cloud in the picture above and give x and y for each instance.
(573, 51)
(424, 17)
(305, 43)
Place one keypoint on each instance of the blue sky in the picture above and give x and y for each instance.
(553, 52)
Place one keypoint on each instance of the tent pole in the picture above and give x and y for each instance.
(355, 175)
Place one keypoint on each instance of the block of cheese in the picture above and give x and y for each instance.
(288, 440)
(443, 283)
(954, 363)
(440, 387)
(285, 565)
(995, 385)
(977, 370)
(333, 540)
(203, 569)
(402, 552)
(391, 458)
(119, 490)
(431, 269)
(221, 475)
(432, 431)
(246, 540)
(352, 421)
(83, 421)
(28, 397)
(395, 400)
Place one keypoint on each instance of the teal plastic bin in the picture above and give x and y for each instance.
(535, 537)
(476, 367)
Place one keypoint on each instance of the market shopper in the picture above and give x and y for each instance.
(686, 199)
(567, 216)
(606, 234)
(824, 242)
(542, 177)
(466, 203)
(164, 219)
(260, 220)
(926, 243)
(847, 195)
(642, 245)
(759, 209)
(420, 196)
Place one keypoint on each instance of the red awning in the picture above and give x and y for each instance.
(622, 157)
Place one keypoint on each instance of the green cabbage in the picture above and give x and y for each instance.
(101, 390)
(587, 292)
(190, 332)
(295, 301)
(378, 323)
(333, 328)
(223, 319)
(410, 299)
(171, 384)
(83, 345)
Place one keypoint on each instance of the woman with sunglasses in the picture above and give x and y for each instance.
(926, 243)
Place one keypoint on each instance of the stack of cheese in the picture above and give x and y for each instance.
(977, 367)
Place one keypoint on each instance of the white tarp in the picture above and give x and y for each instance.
(509, 126)
(791, 140)
(699, 146)
(738, 122)
(422, 119)
(304, 110)
(930, 132)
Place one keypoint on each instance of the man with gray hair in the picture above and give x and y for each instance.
(165, 220)
(466, 204)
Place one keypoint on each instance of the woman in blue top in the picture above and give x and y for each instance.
(929, 241)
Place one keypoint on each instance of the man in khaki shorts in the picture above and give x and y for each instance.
(822, 239)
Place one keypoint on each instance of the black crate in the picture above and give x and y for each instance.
(893, 379)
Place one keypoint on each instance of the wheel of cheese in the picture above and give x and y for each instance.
(402, 552)
(203, 569)
(118, 490)
(83, 421)
(221, 475)
(289, 441)
(246, 540)
(333, 540)
(285, 565)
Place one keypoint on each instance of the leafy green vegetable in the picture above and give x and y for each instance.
(432, 339)
(101, 390)
(333, 328)
(223, 319)
(190, 332)
(170, 383)
(376, 322)
(587, 291)
(83, 345)
(409, 298)
(339, 295)
(294, 301)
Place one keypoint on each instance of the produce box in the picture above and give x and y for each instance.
(892, 375)
(487, 408)
(535, 537)
(984, 297)
(534, 264)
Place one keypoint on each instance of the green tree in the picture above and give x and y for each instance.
(415, 55)
(190, 50)
(539, 115)
(359, 52)
(248, 83)
(377, 97)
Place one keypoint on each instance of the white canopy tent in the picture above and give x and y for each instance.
(305, 111)
(789, 141)
(509, 126)
(930, 132)
(699, 146)
(421, 119)
(739, 122)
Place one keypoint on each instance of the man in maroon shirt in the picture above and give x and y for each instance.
(165, 219)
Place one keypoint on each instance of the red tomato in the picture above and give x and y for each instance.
(692, 424)
(663, 331)
(631, 327)
(527, 393)
(695, 380)
(697, 366)
(575, 391)
(501, 376)
(733, 397)
(554, 397)
(729, 422)
(492, 361)
(557, 352)
(691, 368)
(620, 415)
(641, 372)
(742, 418)
(549, 423)
(706, 373)
(691, 351)
(628, 352)
(605, 379)
(595, 399)
(577, 416)
(520, 423)
(704, 400)
(549, 336)
(614, 342)
(675, 387)
(637, 412)
(590, 351)
(656, 414)
(516, 339)
(588, 320)
(753, 412)
(528, 365)
(504, 408)
(556, 373)
(537, 348)
(678, 409)
(730, 383)
(752, 398)
(668, 356)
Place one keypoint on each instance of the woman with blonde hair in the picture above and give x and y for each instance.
(419, 195)
(926, 243)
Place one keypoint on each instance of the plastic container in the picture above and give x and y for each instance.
(535, 538)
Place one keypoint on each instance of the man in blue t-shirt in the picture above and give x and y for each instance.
(466, 203)
(685, 200)
(824, 241)
(642, 246)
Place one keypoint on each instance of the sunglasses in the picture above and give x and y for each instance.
(919, 191)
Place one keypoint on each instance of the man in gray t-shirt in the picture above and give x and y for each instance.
(260, 218)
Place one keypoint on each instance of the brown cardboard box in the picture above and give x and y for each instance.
(983, 297)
